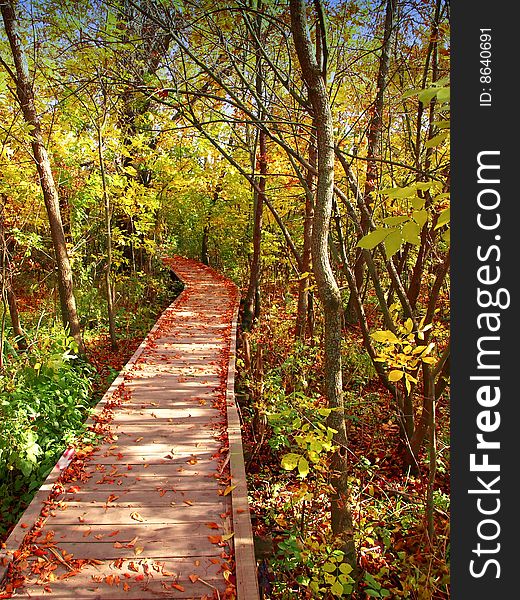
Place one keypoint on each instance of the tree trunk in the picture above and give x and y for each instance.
(250, 301)
(26, 99)
(375, 129)
(251, 306)
(108, 230)
(314, 77)
(303, 317)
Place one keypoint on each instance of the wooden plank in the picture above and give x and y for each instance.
(199, 511)
(145, 532)
(245, 567)
(144, 578)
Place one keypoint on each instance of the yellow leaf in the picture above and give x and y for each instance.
(395, 375)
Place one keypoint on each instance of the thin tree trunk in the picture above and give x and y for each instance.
(250, 303)
(303, 317)
(375, 129)
(108, 230)
(314, 77)
(26, 99)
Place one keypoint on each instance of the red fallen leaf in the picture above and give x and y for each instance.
(133, 567)
(24, 525)
(215, 561)
(139, 577)
(131, 543)
(193, 578)
(48, 589)
(112, 497)
(109, 579)
(39, 552)
(118, 545)
(88, 532)
(212, 525)
(177, 586)
(126, 587)
(215, 539)
(113, 533)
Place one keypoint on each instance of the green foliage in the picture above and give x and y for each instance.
(44, 397)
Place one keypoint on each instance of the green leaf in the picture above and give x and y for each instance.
(411, 233)
(337, 588)
(395, 375)
(436, 139)
(420, 217)
(409, 93)
(417, 202)
(393, 243)
(345, 568)
(303, 467)
(395, 220)
(329, 567)
(444, 217)
(426, 95)
(443, 95)
(399, 192)
(372, 239)
(290, 461)
(372, 593)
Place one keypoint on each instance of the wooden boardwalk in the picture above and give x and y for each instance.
(152, 511)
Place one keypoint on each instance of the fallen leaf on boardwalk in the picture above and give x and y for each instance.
(177, 586)
(193, 578)
(228, 536)
(126, 587)
(193, 461)
(136, 517)
(118, 545)
(113, 533)
(24, 525)
(138, 550)
(188, 502)
(229, 489)
(112, 497)
(133, 567)
(215, 539)
(131, 543)
(99, 536)
(139, 577)
(139, 439)
(215, 561)
(88, 532)
(212, 525)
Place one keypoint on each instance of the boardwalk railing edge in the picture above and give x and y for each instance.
(32, 512)
(245, 561)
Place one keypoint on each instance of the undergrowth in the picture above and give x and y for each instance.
(288, 449)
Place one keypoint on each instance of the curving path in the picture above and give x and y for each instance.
(151, 511)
